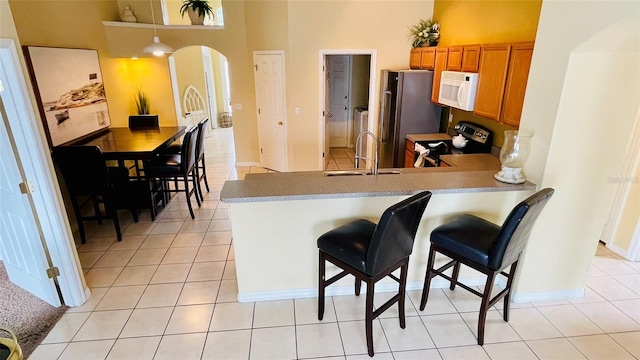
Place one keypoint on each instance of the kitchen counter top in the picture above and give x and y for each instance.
(315, 185)
(428, 137)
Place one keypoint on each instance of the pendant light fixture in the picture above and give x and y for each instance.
(156, 48)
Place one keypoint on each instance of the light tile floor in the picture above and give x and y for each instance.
(168, 291)
(340, 159)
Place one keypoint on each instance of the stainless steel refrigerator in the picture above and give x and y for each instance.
(406, 108)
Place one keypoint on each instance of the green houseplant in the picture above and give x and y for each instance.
(142, 102)
(425, 33)
(197, 10)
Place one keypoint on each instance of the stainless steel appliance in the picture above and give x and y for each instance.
(478, 141)
(406, 109)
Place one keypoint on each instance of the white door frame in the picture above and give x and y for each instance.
(621, 195)
(373, 94)
(35, 160)
(210, 88)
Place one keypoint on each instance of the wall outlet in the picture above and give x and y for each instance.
(450, 118)
(297, 111)
(238, 106)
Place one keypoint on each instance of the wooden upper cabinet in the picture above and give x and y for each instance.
(414, 58)
(492, 77)
(428, 58)
(439, 66)
(519, 64)
(470, 58)
(454, 59)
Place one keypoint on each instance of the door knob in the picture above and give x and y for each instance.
(330, 115)
(280, 123)
(345, 108)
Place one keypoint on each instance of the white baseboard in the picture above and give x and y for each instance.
(349, 290)
(546, 296)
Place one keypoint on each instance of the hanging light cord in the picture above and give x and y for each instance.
(153, 18)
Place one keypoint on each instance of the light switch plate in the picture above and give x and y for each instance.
(238, 106)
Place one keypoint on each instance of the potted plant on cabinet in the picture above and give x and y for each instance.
(197, 10)
(425, 33)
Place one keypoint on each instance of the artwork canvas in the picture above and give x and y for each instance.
(69, 90)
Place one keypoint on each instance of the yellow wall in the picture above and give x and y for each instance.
(189, 71)
(483, 22)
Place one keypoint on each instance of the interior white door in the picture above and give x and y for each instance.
(338, 75)
(269, 82)
(21, 248)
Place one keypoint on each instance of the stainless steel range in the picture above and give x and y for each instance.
(478, 141)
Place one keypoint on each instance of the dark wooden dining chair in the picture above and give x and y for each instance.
(90, 182)
(485, 247)
(201, 169)
(166, 168)
(372, 252)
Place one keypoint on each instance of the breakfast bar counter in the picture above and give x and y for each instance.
(316, 185)
(276, 219)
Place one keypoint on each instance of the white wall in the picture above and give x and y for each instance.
(582, 94)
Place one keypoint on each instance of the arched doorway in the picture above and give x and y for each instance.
(200, 82)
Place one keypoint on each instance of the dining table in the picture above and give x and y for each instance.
(123, 144)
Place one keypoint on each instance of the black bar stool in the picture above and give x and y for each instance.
(372, 252)
(485, 247)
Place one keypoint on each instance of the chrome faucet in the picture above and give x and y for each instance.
(356, 160)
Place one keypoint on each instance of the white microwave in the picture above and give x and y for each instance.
(458, 89)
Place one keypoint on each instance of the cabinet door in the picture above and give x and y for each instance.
(470, 58)
(519, 65)
(409, 154)
(439, 66)
(454, 60)
(492, 76)
(408, 158)
(427, 58)
(414, 58)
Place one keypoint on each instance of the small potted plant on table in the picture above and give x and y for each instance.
(143, 119)
(197, 10)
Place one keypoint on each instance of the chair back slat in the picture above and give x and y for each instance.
(83, 168)
(189, 151)
(395, 233)
(202, 128)
(516, 229)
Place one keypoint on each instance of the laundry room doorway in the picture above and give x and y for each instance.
(347, 86)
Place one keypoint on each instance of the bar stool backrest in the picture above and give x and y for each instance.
(395, 233)
(516, 230)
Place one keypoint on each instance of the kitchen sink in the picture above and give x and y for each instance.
(362, 172)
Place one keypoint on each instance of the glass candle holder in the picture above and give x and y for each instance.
(513, 154)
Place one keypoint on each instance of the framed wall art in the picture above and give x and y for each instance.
(69, 90)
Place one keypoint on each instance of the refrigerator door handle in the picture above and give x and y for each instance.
(384, 116)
